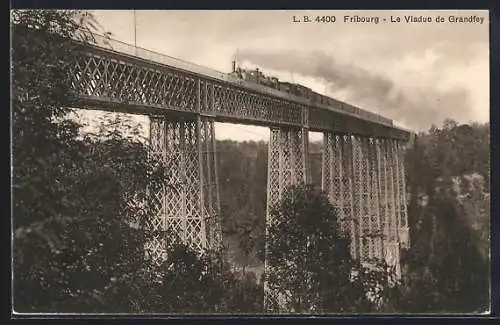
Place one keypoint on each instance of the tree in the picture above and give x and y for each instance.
(446, 272)
(188, 282)
(244, 294)
(193, 282)
(75, 240)
(310, 267)
(40, 89)
(447, 267)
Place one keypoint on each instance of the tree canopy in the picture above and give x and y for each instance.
(309, 262)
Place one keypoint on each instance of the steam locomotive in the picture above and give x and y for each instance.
(256, 76)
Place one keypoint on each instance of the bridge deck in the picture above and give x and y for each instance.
(117, 76)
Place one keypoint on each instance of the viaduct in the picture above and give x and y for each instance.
(362, 171)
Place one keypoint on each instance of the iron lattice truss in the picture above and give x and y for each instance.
(106, 80)
(364, 180)
(186, 205)
(287, 161)
(109, 79)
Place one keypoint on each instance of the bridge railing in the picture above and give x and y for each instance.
(129, 49)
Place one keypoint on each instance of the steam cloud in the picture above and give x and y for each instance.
(416, 107)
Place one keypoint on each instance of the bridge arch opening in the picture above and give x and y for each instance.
(315, 157)
(242, 159)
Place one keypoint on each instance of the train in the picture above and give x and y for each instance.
(256, 76)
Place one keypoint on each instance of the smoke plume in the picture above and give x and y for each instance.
(417, 107)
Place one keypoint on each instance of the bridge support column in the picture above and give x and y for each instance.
(364, 180)
(404, 236)
(382, 192)
(361, 194)
(288, 161)
(376, 235)
(186, 205)
(393, 209)
(288, 164)
(392, 246)
(337, 182)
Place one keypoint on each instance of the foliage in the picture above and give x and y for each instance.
(447, 266)
(187, 283)
(311, 269)
(245, 295)
(74, 235)
(455, 150)
(446, 272)
(190, 282)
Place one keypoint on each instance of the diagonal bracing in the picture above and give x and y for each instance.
(186, 205)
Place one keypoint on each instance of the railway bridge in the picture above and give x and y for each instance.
(362, 172)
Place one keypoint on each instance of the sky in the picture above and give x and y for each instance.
(415, 73)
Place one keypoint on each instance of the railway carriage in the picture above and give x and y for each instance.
(256, 76)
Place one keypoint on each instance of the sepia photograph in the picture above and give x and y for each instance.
(259, 162)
